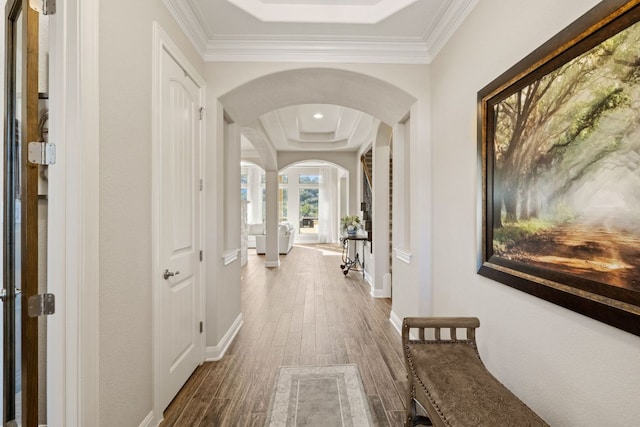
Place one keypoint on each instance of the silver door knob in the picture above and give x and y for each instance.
(168, 274)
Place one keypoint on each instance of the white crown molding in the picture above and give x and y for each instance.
(400, 50)
(450, 20)
(189, 23)
(326, 49)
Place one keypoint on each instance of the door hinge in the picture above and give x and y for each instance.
(201, 113)
(201, 327)
(41, 305)
(42, 153)
(46, 7)
(200, 185)
(201, 256)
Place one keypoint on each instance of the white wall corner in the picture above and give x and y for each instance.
(403, 256)
(149, 421)
(396, 322)
(380, 293)
(385, 292)
(216, 353)
(230, 255)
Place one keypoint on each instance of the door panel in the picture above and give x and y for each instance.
(21, 260)
(12, 384)
(181, 348)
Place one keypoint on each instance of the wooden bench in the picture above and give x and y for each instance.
(448, 379)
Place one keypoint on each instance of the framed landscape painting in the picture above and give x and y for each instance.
(559, 155)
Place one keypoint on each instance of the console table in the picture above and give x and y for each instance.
(350, 256)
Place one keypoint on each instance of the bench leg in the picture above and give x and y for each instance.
(410, 406)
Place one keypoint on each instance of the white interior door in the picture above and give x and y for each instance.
(179, 218)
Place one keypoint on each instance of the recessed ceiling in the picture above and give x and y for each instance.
(300, 127)
(366, 31)
(351, 31)
(329, 11)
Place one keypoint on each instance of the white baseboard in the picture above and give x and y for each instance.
(147, 422)
(369, 280)
(376, 293)
(272, 264)
(396, 322)
(380, 293)
(215, 353)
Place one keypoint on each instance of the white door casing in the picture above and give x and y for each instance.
(180, 346)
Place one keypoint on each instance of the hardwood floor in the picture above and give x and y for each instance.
(304, 313)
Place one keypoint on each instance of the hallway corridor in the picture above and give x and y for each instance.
(304, 313)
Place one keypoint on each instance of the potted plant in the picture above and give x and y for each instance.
(350, 224)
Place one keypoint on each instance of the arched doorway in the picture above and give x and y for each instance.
(248, 103)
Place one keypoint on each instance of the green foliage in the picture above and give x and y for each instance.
(353, 220)
(511, 234)
(568, 129)
(309, 203)
(586, 118)
(309, 179)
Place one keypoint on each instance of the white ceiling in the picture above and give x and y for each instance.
(329, 11)
(387, 31)
(300, 127)
(366, 31)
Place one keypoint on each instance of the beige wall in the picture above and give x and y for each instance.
(573, 370)
(563, 364)
(125, 204)
(412, 283)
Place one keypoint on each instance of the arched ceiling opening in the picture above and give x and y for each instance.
(344, 109)
(246, 103)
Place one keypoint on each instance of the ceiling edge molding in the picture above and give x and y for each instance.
(407, 50)
(451, 19)
(391, 50)
(189, 23)
(322, 13)
(296, 145)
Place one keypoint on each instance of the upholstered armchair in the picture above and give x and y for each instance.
(286, 238)
(253, 231)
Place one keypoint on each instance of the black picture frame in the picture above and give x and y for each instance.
(545, 128)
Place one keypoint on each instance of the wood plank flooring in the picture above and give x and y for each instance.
(304, 313)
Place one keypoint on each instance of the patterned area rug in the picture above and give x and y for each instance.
(324, 396)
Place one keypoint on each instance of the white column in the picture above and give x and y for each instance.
(254, 190)
(272, 258)
(344, 196)
(401, 187)
(381, 154)
(232, 188)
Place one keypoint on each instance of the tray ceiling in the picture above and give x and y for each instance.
(382, 31)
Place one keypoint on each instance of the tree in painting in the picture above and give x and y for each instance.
(566, 161)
